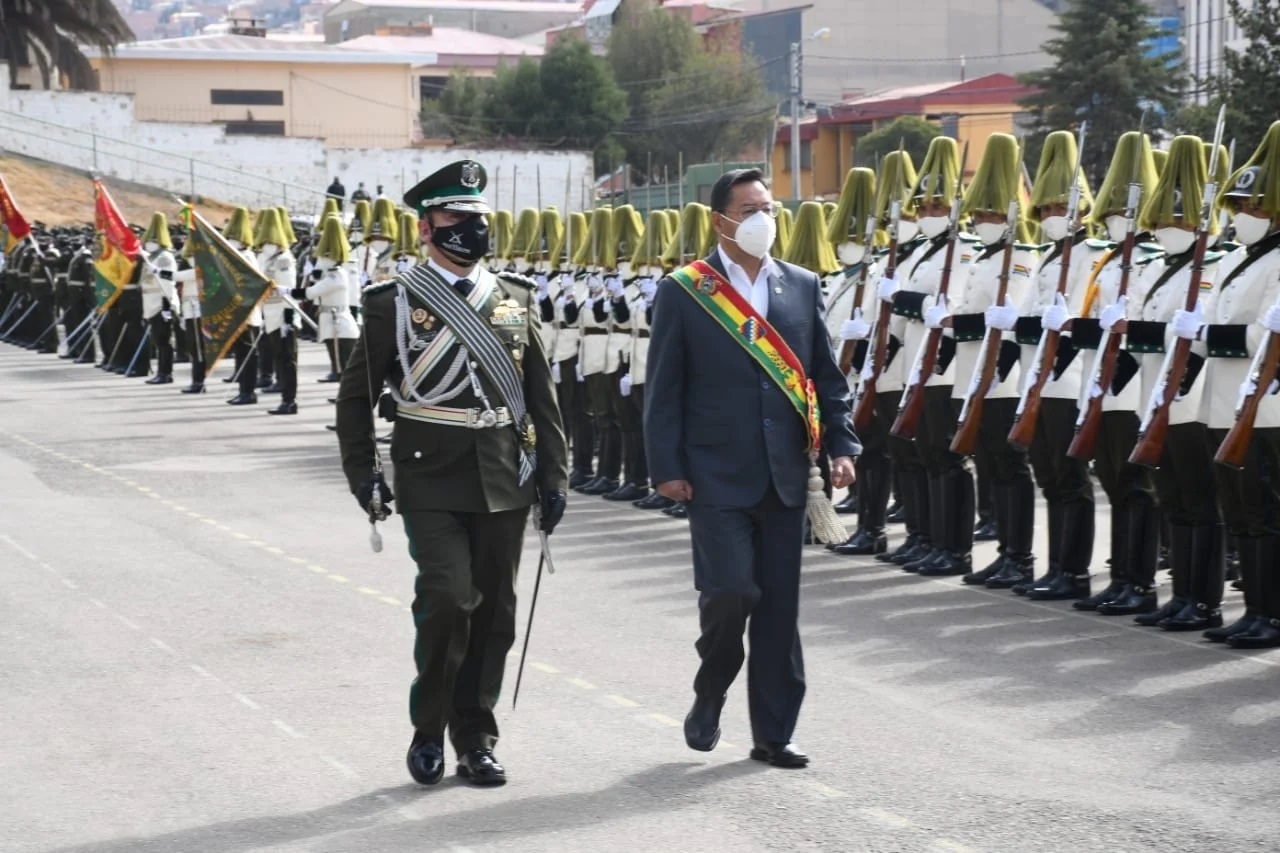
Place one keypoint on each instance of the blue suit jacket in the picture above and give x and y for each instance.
(715, 418)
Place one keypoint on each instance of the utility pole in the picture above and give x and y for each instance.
(795, 121)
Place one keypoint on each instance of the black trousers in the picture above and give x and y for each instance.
(1061, 479)
(572, 396)
(196, 350)
(284, 343)
(109, 335)
(1135, 519)
(1250, 497)
(1185, 481)
(875, 476)
(639, 461)
(266, 360)
(908, 468)
(599, 396)
(162, 343)
(746, 568)
(131, 331)
(629, 419)
(247, 359)
(76, 311)
(1012, 488)
(464, 616)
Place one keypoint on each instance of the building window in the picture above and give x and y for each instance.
(247, 97)
(806, 155)
(950, 125)
(254, 128)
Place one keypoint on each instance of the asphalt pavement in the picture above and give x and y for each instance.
(200, 653)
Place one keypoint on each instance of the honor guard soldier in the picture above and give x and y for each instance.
(357, 265)
(647, 262)
(159, 296)
(626, 233)
(1244, 315)
(566, 365)
(408, 253)
(593, 358)
(328, 288)
(379, 263)
(280, 320)
(80, 301)
(240, 236)
(189, 287)
(478, 440)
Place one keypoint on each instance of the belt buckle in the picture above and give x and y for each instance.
(481, 419)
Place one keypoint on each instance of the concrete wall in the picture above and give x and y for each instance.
(94, 131)
(345, 104)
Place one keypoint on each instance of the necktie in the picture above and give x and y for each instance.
(464, 286)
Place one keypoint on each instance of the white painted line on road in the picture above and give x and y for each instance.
(274, 550)
(247, 702)
(387, 599)
(544, 667)
(622, 700)
(163, 646)
(820, 788)
(239, 535)
(298, 560)
(286, 728)
(127, 622)
(340, 767)
(339, 579)
(129, 482)
(665, 720)
(951, 846)
(199, 670)
(23, 551)
(69, 583)
(320, 570)
(213, 522)
(368, 590)
(886, 818)
(581, 682)
(724, 743)
(257, 543)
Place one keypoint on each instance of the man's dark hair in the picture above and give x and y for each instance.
(723, 189)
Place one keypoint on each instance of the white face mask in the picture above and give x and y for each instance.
(1175, 240)
(324, 264)
(1117, 228)
(1250, 229)
(236, 244)
(151, 246)
(851, 253)
(932, 226)
(907, 230)
(269, 251)
(990, 233)
(379, 245)
(755, 234)
(1055, 228)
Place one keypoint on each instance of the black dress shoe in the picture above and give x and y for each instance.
(948, 565)
(273, 388)
(913, 548)
(985, 532)
(160, 379)
(653, 501)
(331, 427)
(243, 400)
(849, 505)
(1265, 634)
(702, 723)
(263, 384)
(480, 767)
(1010, 576)
(981, 576)
(677, 510)
(231, 378)
(895, 514)
(581, 487)
(329, 377)
(1113, 591)
(426, 760)
(1169, 608)
(331, 400)
(601, 486)
(132, 374)
(1131, 600)
(780, 755)
(626, 492)
(931, 556)
(1196, 616)
(194, 389)
(863, 543)
(1063, 587)
(1024, 586)
(580, 478)
(284, 409)
(1243, 625)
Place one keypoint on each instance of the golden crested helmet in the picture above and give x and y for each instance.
(361, 219)
(333, 243)
(688, 241)
(1057, 168)
(408, 243)
(939, 173)
(1257, 183)
(287, 225)
(1113, 197)
(782, 237)
(576, 247)
(552, 237)
(809, 247)
(237, 227)
(502, 229)
(647, 259)
(1179, 194)
(158, 231)
(847, 221)
(526, 238)
(270, 231)
(383, 224)
(1161, 158)
(997, 179)
(896, 182)
(330, 206)
(628, 232)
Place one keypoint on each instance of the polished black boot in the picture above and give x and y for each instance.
(1256, 554)
(1016, 526)
(1180, 555)
(914, 547)
(1131, 599)
(580, 478)
(653, 501)
(1208, 577)
(863, 543)
(1265, 632)
(848, 506)
(627, 492)
(981, 576)
(600, 487)
(426, 759)
(1075, 552)
(999, 513)
(702, 724)
(929, 491)
(1117, 564)
(956, 506)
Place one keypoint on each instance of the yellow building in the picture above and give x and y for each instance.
(968, 111)
(272, 87)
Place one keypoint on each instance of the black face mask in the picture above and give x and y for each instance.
(467, 240)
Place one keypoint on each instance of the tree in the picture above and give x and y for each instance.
(49, 33)
(704, 100)
(912, 132)
(581, 103)
(458, 113)
(1103, 74)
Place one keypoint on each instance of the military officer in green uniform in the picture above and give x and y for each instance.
(478, 441)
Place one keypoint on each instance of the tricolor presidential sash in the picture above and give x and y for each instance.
(464, 320)
(739, 318)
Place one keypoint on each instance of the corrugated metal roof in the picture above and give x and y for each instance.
(446, 41)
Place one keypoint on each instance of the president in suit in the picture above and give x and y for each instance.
(724, 435)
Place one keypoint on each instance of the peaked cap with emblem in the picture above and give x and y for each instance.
(1113, 197)
(847, 223)
(458, 186)
(1179, 193)
(1258, 181)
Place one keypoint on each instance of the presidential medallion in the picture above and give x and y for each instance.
(420, 316)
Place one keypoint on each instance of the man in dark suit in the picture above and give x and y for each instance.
(723, 436)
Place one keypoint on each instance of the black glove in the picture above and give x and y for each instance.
(552, 504)
(298, 293)
(288, 316)
(316, 275)
(364, 494)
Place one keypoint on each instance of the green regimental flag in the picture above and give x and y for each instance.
(231, 289)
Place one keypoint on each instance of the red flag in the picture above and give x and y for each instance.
(17, 224)
(117, 250)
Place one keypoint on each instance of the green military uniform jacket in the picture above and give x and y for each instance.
(440, 467)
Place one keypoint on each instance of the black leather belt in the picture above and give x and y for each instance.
(595, 331)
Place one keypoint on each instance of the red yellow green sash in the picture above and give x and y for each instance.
(735, 314)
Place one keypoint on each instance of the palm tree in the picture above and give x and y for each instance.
(51, 32)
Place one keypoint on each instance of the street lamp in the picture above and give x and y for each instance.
(820, 33)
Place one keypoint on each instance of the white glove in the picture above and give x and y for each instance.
(888, 287)
(855, 329)
(1113, 314)
(614, 286)
(1271, 320)
(1188, 324)
(934, 315)
(595, 283)
(1002, 317)
(648, 288)
(867, 369)
(544, 286)
(624, 385)
(167, 316)
(581, 378)
(1056, 315)
(555, 372)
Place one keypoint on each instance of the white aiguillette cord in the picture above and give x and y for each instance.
(377, 511)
